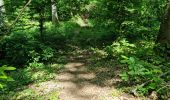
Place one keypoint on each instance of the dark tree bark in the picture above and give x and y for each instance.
(41, 22)
(164, 32)
(163, 39)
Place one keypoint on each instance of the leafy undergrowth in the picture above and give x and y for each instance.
(33, 82)
(142, 71)
(34, 58)
(133, 67)
(135, 71)
(38, 91)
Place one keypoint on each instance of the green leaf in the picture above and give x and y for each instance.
(124, 76)
(10, 79)
(131, 72)
(3, 77)
(9, 68)
(152, 86)
(1, 86)
(124, 57)
(132, 60)
(123, 61)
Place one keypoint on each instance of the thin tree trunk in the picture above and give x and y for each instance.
(2, 13)
(41, 23)
(55, 19)
(2, 8)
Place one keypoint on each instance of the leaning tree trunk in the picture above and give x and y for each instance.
(164, 32)
(55, 19)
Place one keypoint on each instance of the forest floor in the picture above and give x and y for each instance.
(79, 81)
(81, 78)
(85, 79)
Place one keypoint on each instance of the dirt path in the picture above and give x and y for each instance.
(78, 83)
(76, 86)
(81, 78)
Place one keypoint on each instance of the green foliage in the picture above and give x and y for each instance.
(138, 69)
(120, 47)
(34, 72)
(126, 29)
(33, 93)
(98, 54)
(3, 77)
(20, 49)
(69, 8)
(142, 67)
(143, 73)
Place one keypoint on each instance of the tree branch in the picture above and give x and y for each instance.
(19, 15)
(134, 91)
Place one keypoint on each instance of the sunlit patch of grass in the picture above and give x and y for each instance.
(29, 76)
(31, 94)
(116, 93)
(34, 86)
(24, 94)
(77, 19)
(53, 95)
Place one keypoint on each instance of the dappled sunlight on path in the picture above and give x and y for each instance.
(76, 84)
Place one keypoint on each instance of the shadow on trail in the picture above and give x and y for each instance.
(84, 78)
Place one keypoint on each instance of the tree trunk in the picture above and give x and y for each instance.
(163, 38)
(164, 32)
(2, 13)
(55, 19)
(41, 23)
(2, 8)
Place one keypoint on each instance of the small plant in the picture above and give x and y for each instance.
(145, 75)
(20, 49)
(3, 77)
(47, 54)
(34, 56)
(120, 47)
(99, 54)
(136, 69)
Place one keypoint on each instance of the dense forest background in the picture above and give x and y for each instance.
(131, 36)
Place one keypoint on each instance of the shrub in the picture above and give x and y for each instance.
(3, 77)
(145, 76)
(143, 68)
(20, 49)
(119, 47)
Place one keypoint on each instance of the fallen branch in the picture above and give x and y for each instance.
(164, 74)
(19, 15)
(134, 91)
(163, 87)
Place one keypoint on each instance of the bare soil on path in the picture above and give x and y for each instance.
(77, 82)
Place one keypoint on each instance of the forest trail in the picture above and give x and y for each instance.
(76, 86)
(78, 83)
